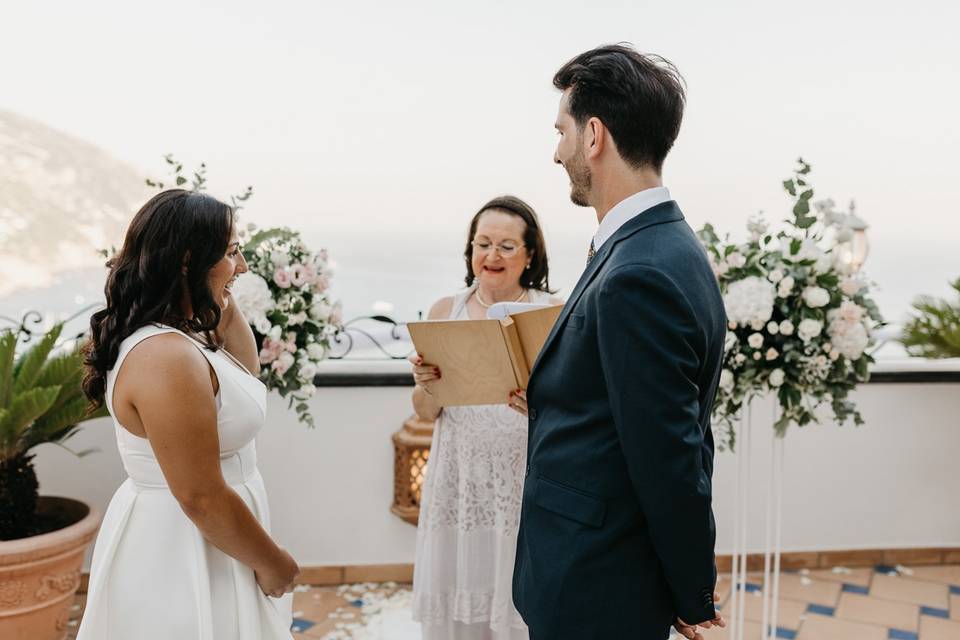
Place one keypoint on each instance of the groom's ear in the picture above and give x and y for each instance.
(594, 138)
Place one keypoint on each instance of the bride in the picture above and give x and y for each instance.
(184, 550)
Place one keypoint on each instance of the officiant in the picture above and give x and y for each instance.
(469, 515)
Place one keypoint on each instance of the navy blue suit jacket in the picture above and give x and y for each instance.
(617, 532)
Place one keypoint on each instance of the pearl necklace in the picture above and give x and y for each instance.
(487, 306)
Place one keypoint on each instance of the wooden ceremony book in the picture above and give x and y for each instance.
(482, 361)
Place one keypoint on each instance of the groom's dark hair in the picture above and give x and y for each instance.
(638, 97)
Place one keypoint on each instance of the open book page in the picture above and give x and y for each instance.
(533, 327)
(503, 310)
(473, 357)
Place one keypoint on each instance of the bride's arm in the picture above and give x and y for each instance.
(238, 337)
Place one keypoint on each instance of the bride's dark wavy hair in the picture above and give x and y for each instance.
(145, 284)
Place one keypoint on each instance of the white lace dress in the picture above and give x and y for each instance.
(467, 536)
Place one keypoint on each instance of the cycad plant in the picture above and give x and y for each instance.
(40, 401)
(935, 331)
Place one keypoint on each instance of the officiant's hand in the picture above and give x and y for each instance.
(689, 631)
(424, 375)
(518, 401)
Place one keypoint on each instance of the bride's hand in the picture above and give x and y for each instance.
(424, 375)
(279, 580)
(518, 401)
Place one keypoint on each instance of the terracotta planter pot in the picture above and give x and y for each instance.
(40, 575)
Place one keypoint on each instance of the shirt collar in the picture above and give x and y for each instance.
(626, 209)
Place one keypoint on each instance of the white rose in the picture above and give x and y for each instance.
(287, 359)
(809, 329)
(785, 286)
(736, 260)
(295, 319)
(786, 328)
(756, 355)
(755, 340)
(308, 390)
(772, 354)
(316, 351)
(739, 358)
(280, 258)
(276, 331)
(816, 297)
(775, 276)
(773, 328)
(757, 325)
(321, 311)
(834, 354)
(308, 370)
(262, 325)
(726, 380)
(776, 378)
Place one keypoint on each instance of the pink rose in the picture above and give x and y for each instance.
(282, 278)
(282, 364)
(300, 275)
(271, 350)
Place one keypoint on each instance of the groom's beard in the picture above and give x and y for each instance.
(580, 179)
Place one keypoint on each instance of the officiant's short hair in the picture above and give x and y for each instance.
(638, 97)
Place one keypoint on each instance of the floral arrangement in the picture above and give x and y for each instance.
(799, 316)
(284, 296)
(286, 299)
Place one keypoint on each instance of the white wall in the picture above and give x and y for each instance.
(890, 483)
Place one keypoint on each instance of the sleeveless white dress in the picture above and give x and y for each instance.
(153, 575)
(469, 517)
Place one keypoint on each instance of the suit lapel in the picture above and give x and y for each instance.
(661, 213)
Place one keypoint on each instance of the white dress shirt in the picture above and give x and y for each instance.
(626, 210)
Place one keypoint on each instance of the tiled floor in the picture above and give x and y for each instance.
(886, 603)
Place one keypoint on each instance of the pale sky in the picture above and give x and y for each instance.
(399, 119)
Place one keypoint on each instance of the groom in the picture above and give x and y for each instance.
(617, 532)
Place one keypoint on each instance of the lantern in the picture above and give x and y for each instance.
(411, 449)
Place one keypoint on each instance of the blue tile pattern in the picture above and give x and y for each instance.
(300, 625)
(935, 612)
(955, 590)
(819, 608)
(789, 634)
(855, 588)
(899, 634)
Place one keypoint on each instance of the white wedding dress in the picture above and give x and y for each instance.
(154, 576)
(469, 516)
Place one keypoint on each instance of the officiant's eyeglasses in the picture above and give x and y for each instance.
(506, 249)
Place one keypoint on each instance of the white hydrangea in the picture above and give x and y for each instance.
(816, 297)
(809, 329)
(849, 339)
(775, 276)
(749, 300)
(253, 298)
